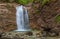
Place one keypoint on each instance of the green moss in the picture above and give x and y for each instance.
(23, 2)
(57, 19)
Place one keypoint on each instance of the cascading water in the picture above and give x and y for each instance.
(22, 19)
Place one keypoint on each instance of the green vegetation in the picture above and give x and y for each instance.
(57, 19)
(43, 2)
(23, 2)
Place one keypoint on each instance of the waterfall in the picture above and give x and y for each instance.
(22, 19)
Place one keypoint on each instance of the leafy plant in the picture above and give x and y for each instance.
(43, 2)
(23, 2)
(57, 19)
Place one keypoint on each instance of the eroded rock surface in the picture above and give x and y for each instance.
(7, 17)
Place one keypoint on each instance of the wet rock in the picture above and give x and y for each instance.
(43, 34)
(53, 34)
(38, 35)
(29, 33)
(21, 38)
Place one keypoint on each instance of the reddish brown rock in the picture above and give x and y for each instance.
(7, 17)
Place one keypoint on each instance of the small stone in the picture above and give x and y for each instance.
(29, 33)
(53, 34)
(21, 38)
(38, 35)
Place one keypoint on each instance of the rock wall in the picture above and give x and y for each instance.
(7, 17)
(40, 18)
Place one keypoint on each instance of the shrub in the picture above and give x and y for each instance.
(23, 2)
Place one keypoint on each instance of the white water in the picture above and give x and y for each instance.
(22, 19)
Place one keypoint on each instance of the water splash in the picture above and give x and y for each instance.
(22, 19)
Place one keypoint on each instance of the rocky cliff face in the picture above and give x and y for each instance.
(40, 18)
(7, 17)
